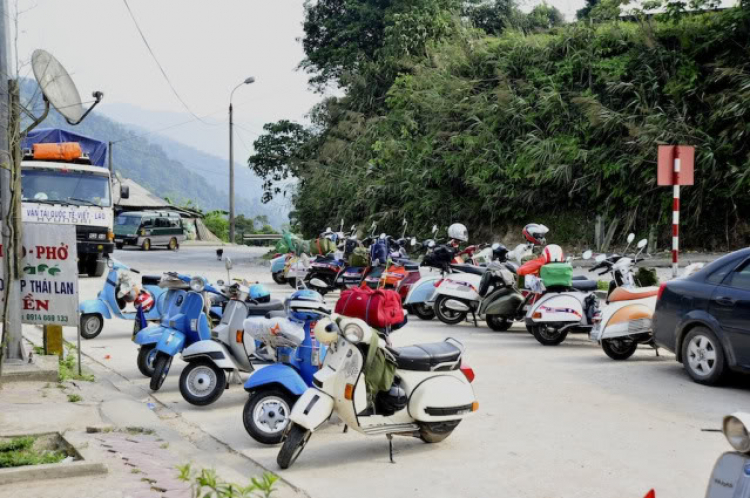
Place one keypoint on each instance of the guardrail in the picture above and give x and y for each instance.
(262, 236)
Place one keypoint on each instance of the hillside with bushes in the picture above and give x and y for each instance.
(528, 119)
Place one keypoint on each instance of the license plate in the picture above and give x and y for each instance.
(119, 240)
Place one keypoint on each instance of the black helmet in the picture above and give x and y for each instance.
(499, 251)
(393, 400)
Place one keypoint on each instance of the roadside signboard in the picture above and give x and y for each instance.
(49, 282)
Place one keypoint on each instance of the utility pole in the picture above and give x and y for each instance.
(231, 174)
(109, 157)
(12, 347)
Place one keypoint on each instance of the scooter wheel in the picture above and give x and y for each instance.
(278, 277)
(266, 415)
(146, 355)
(161, 369)
(91, 325)
(295, 442)
(202, 383)
(435, 432)
(422, 311)
(445, 314)
(619, 349)
(498, 323)
(548, 336)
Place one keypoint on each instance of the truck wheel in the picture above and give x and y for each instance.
(91, 325)
(279, 277)
(96, 268)
(119, 245)
(202, 383)
(266, 415)
(619, 349)
(548, 336)
(161, 369)
(434, 432)
(294, 443)
(146, 245)
(146, 355)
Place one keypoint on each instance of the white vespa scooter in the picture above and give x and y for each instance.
(430, 395)
(731, 475)
(559, 311)
(626, 321)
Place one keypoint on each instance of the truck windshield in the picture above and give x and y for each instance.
(65, 187)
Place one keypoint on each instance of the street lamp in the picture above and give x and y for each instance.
(231, 160)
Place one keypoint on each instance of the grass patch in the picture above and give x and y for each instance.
(69, 368)
(602, 285)
(139, 430)
(22, 451)
(74, 398)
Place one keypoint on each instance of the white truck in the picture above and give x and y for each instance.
(64, 181)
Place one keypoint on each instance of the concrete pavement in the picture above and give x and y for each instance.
(553, 421)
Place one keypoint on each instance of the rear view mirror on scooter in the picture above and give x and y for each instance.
(588, 254)
(413, 241)
(631, 238)
(599, 258)
(110, 263)
(434, 229)
(228, 263)
(642, 243)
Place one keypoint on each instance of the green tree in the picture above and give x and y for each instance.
(543, 17)
(218, 224)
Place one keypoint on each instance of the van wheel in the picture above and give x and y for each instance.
(434, 432)
(295, 442)
(172, 244)
(548, 336)
(146, 245)
(621, 348)
(91, 325)
(266, 415)
(703, 356)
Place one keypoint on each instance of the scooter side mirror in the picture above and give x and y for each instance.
(588, 254)
(631, 238)
(354, 228)
(413, 241)
(228, 263)
(110, 263)
(642, 243)
(220, 282)
(434, 229)
(599, 258)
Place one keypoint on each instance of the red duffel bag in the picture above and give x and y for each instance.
(379, 308)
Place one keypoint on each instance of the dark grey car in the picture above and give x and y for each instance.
(705, 318)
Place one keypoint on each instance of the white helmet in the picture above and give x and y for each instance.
(554, 254)
(458, 231)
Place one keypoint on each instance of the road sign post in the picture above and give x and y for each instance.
(676, 165)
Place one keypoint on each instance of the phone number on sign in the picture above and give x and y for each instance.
(51, 319)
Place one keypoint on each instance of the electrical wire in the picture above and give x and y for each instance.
(164, 73)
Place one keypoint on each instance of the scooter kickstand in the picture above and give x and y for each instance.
(390, 446)
(346, 428)
(475, 318)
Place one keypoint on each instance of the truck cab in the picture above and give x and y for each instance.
(62, 185)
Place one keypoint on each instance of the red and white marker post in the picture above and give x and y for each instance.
(676, 168)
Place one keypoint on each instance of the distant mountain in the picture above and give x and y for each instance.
(168, 168)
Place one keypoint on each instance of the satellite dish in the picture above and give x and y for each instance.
(58, 87)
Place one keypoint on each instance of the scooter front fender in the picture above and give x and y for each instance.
(171, 342)
(210, 350)
(277, 374)
(149, 335)
(312, 409)
(422, 290)
(96, 306)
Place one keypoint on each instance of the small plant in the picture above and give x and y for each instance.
(20, 451)
(69, 368)
(74, 398)
(602, 285)
(646, 277)
(207, 484)
(164, 446)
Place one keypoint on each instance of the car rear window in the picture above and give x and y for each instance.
(716, 271)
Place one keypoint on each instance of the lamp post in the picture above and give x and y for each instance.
(231, 160)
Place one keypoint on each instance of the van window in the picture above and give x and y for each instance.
(148, 222)
(175, 222)
(162, 223)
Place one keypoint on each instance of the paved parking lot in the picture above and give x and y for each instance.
(560, 421)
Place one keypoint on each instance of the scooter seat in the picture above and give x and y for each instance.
(261, 309)
(624, 294)
(150, 279)
(408, 264)
(426, 357)
(475, 270)
(584, 285)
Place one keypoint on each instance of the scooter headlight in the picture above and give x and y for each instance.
(735, 430)
(353, 332)
(326, 331)
(197, 284)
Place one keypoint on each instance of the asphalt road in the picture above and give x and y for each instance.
(560, 421)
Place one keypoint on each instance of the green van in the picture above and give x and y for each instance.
(149, 228)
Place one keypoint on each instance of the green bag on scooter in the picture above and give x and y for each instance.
(359, 257)
(556, 275)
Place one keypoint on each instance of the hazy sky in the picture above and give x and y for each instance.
(205, 47)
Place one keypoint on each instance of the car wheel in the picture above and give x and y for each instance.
(703, 356)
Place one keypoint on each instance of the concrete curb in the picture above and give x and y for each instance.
(44, 368)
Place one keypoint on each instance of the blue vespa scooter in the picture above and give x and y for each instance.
(275, 388)
(110, 303)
